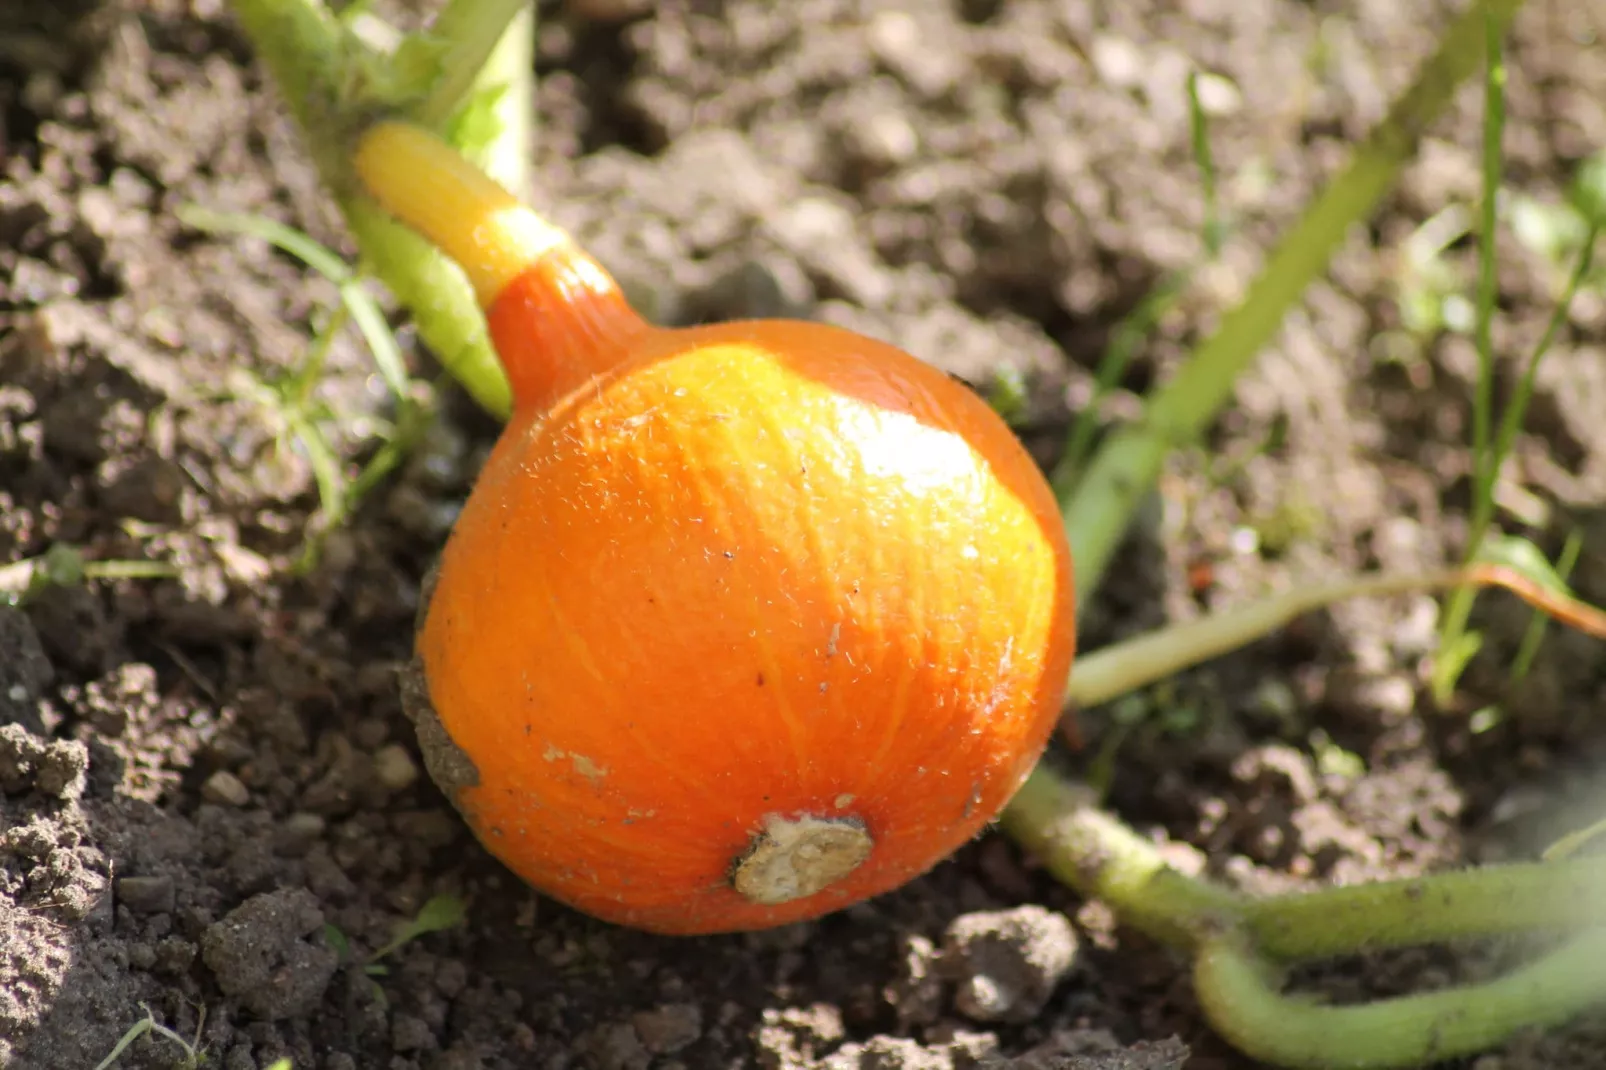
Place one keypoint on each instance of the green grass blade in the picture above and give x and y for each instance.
(1539, 623)
(1485, 463)
(299, 245)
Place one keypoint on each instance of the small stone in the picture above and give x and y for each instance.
(1119, 62)
(394, 767)
(1218, 96)
(886, 138)
(174, 956)
(224, 788)
(408, 1033)
(450, 977)
(146, 895)
(668, 1028)
(371, 732)
(300, 831)
(429, 828)
(899, 41)
(616, 1047)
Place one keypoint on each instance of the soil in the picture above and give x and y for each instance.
(213, 806)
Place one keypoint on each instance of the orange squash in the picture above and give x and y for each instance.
(741, 623)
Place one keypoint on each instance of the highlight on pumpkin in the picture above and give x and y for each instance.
(742, 623)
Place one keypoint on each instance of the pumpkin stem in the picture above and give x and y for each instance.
(555, 315)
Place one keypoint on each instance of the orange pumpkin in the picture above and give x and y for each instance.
(741, 623)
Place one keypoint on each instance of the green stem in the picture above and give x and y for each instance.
(1511, 418)
(511, 67)
(438, 297)
(1107, 494)
(431, 286)
(1235, 991)
(1487, 901)
(1454, 643)
(1136, 663)
(1486, 458)
(312, 58)
(476, 31)
(1058, 821)
(306, 51)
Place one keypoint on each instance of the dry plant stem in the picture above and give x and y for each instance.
(1238, 996)
(1116, 670)
(1097, 504)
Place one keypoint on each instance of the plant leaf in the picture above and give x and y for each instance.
(337, 940)
(1524, 557)
(445, 911)
(478, 126)
(1588, 190)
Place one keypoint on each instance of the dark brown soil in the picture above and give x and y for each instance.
(210, 800)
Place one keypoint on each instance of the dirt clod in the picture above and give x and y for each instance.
(25, 670)
(269, 954)
(1006, 964)
(917, 992)
(1095, 1050)
(224, 787)
(53, 767)
(798, 1036)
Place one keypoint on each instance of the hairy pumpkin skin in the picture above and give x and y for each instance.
(752, 571)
